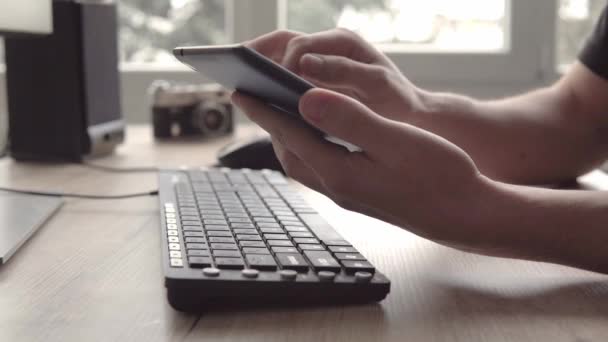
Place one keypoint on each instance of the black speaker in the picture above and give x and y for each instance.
(63, 89)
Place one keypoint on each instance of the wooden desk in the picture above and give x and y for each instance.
(93, 274)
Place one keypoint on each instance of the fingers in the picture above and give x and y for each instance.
(347, 119)
(337, 42)
(296, 168)
(321, 156)
(273, 44)
(342, 72)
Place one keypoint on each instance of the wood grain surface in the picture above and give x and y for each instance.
(92, 273)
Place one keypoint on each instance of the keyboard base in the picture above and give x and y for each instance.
(196, 296)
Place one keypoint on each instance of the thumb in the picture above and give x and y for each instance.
(341, 72)
(347, 119)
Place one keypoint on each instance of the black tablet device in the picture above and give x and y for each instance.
(238, 67)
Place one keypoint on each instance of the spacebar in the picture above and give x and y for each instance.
(320, 227)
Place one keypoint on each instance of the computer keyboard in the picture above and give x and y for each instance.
(244, 237)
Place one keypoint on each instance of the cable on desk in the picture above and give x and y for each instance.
(112, 169)
(83, 196)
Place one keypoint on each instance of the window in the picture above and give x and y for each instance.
(576, 19)
(150, 29)
(409, 25)
(487, 48)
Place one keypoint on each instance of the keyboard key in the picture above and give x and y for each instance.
(236, 214)
(297, 229)
(197, 252)
(239, 219)
(175, 262)
(173, 239)
(197, 246)
(264, 219)
(320, 227)
(222, 222)
(276, 237)
(229, 246)
(192, 229)
(221, 239)
(272, 230)
(342, 249)
(340, 242)
(172, 232)
(229, 263)
(195, 239)
(242, 225)
(260, 213)
(174, 247)
(284, 249)
(301, 234)
(212, 216)
(199, 262)
(245, 231)
(175, 254)
(252, 244)
(255, 250)
(287, 218)
(243, 237)
(307, 247)
(350, 256)
(216, 227)
(292, 262)
(219, 233)
(305, 240)
(280, 243)
(261, 261)
(268, 225)
(353, 266)
(226, 253)
(196, 233)
(322, 261)
(192, 223)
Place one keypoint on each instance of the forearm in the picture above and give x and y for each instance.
(539, 137)
(558, 226)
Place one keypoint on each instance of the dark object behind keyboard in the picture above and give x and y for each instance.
(255, 154)
(241, 237)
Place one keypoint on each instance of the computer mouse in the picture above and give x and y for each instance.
(255, 154)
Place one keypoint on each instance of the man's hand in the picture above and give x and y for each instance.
(406, 176)
(342, 61)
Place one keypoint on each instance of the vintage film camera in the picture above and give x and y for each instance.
(191, 110)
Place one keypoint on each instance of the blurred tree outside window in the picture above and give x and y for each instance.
(410, 25)
(150, 29)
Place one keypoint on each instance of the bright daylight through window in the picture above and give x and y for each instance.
(431, 25)
(149, 29)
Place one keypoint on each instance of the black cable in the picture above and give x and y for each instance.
(83, 196)
(150, 169)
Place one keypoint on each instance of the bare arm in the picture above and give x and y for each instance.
(559, 226)
(548, 135)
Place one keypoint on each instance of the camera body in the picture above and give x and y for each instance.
(191, 110)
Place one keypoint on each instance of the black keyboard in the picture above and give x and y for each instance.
(244, 237)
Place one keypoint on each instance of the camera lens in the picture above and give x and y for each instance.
(211, 118)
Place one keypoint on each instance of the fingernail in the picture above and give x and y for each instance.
(312, 65)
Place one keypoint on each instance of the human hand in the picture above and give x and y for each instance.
(342, 61)
(404, 175)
